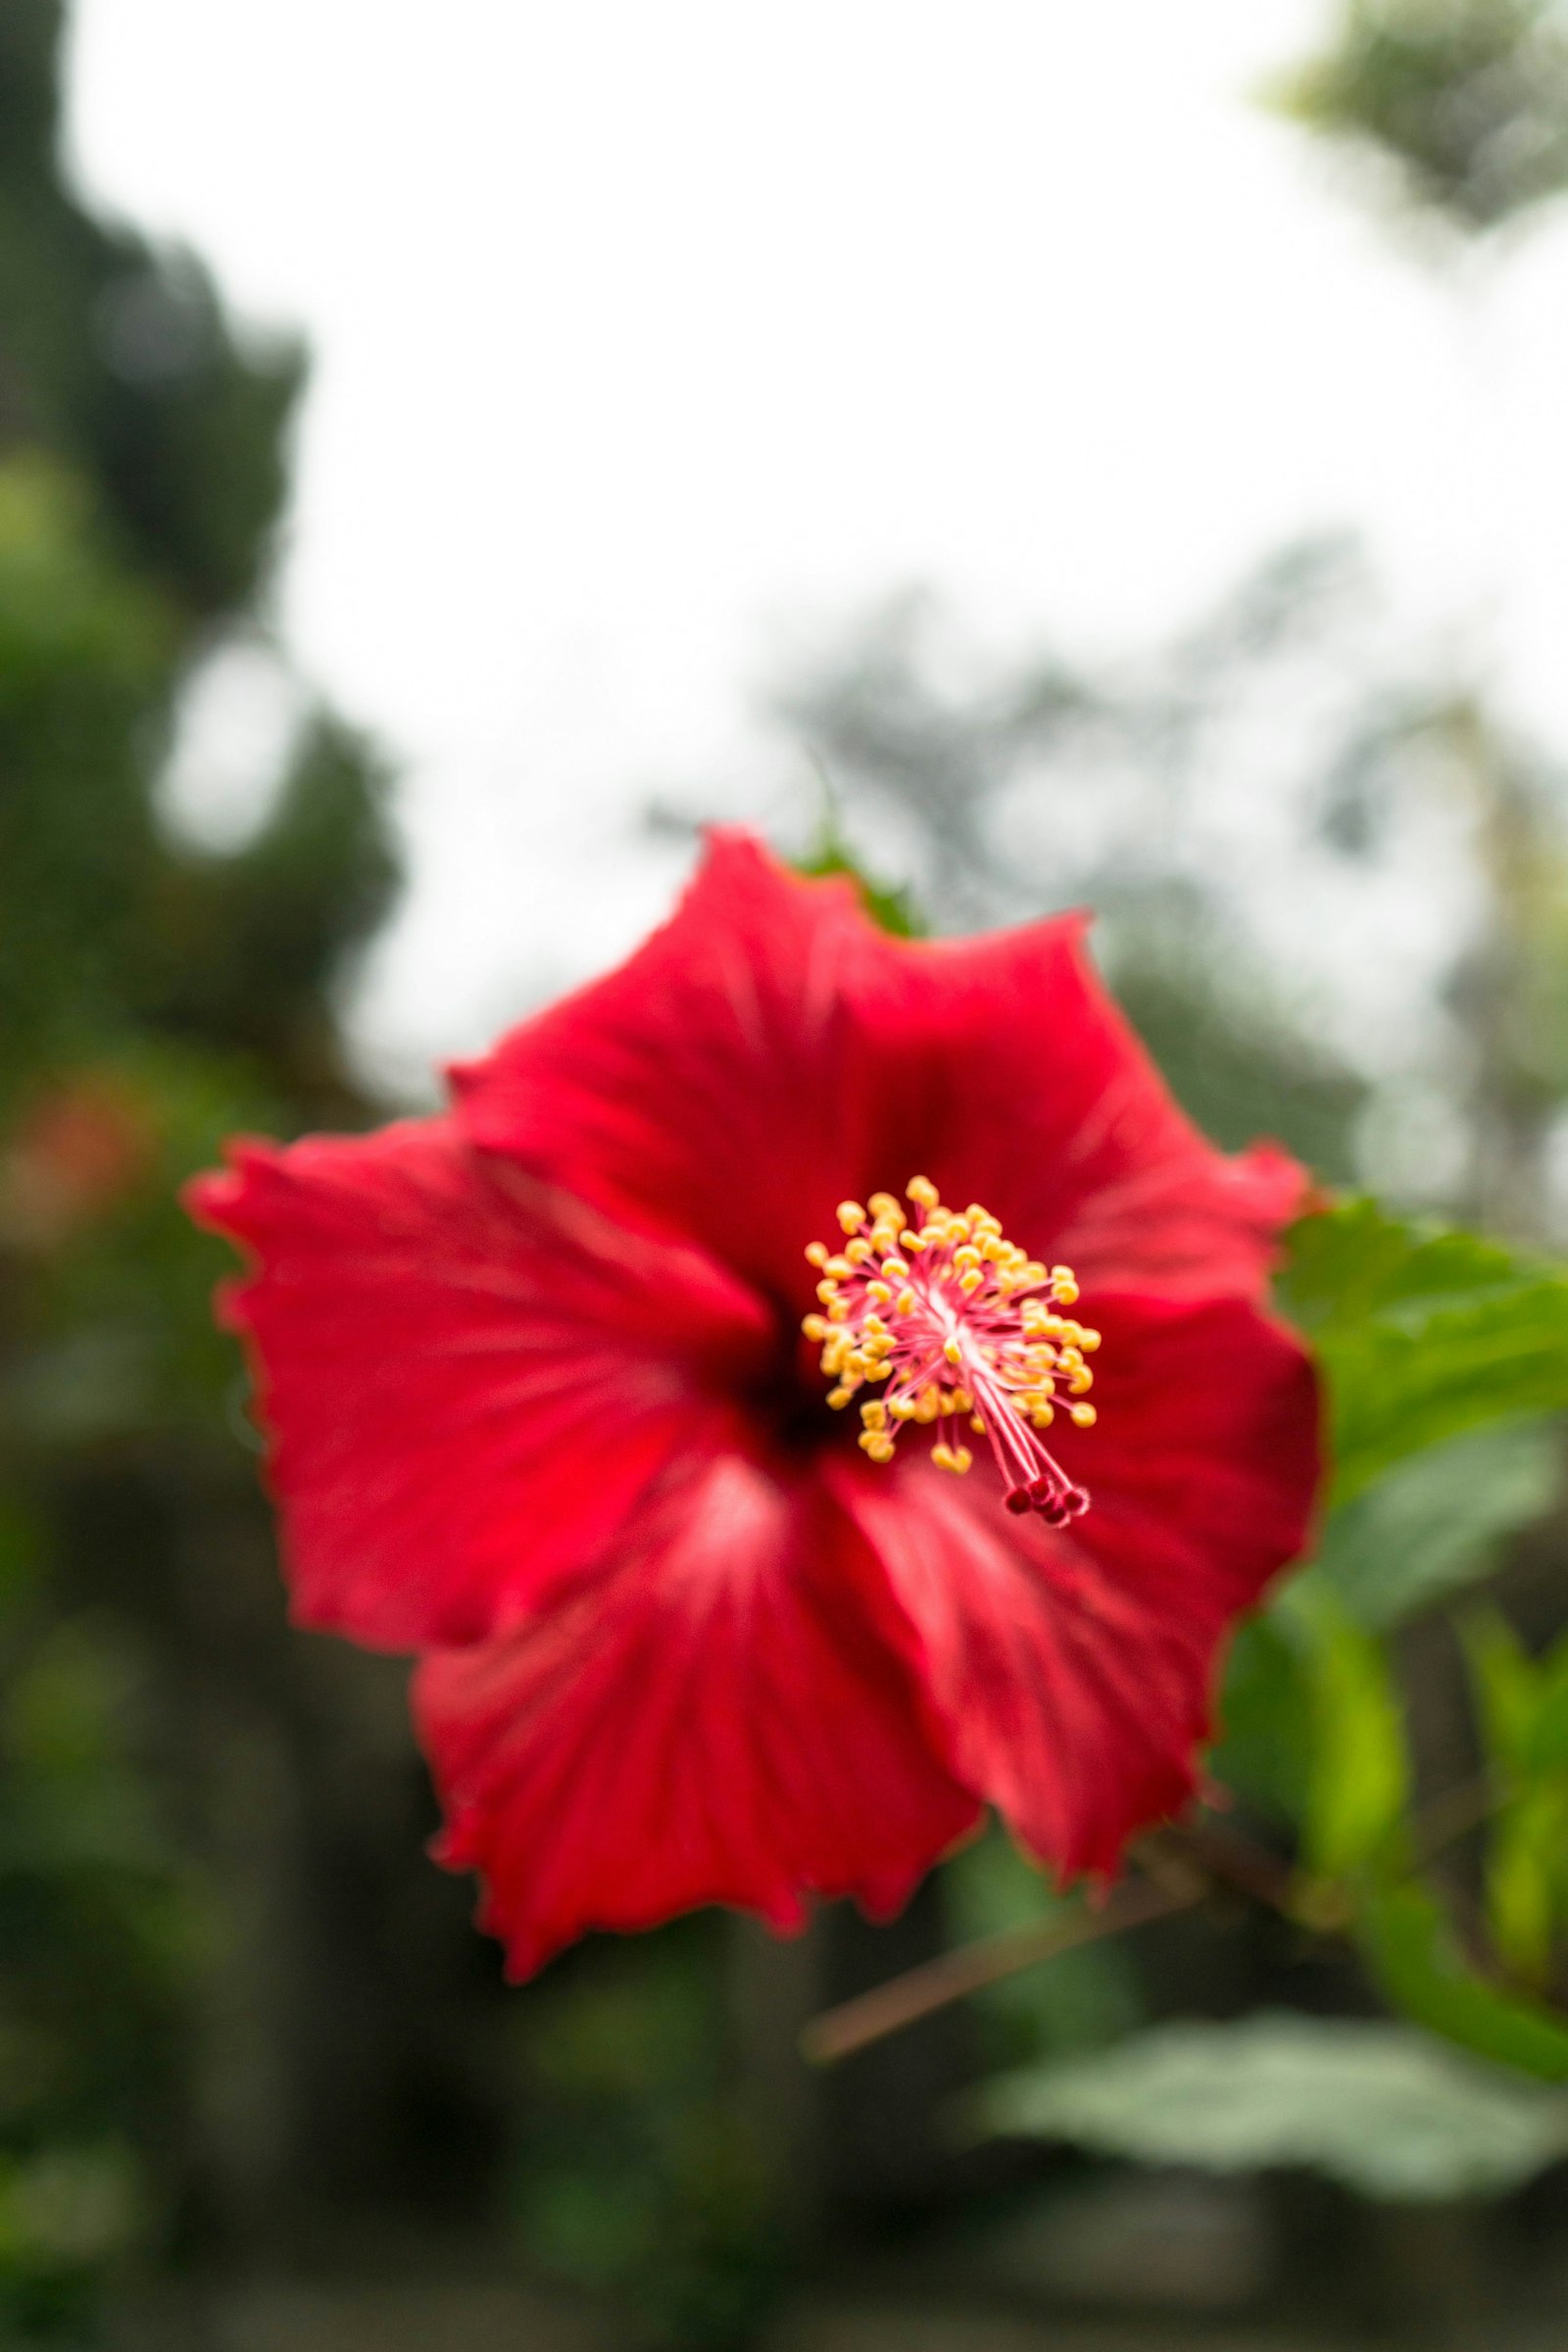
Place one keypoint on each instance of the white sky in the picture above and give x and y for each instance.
(645, 334)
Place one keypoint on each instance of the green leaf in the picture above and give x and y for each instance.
(1431, 1525)
(1544, 1747)
(1422, 1334)
(1519, 1705)
(1379, 2107)
(1412, 1953)
(1523, 1861)
(1358, 1777)
(1507, 1686)
(886, 902)
(1266, 1711)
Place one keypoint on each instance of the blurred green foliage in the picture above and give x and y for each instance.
(155, 999)
(639, 2174)
(99, 1927)
(119, 357)
(1468, 98)
(1430, 1527)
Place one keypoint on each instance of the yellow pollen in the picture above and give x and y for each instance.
(952, 1322)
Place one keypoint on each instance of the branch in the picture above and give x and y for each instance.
(840, 2032)
(1179, 1864)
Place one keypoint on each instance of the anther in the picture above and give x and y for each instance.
(951, 1322)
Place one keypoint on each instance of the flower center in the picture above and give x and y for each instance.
(949, 1322)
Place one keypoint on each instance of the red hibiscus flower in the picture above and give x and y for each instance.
(541, 1406)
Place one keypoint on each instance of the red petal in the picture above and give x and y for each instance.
(469, 1380)
(718, 1079)
(771, 1053)
(1030, 1092)
(1071, 1675)
(717, 1718)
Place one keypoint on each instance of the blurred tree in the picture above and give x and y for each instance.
(1005, 790)
(221, 1953)
(1465, 105)
(1467, 99)
(119, 357)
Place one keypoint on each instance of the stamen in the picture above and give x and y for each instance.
(951, 1322)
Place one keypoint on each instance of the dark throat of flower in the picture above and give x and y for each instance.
(938, 1319)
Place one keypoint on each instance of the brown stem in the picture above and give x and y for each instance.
(1180, 1864)
(1223, 1856)
(840, 2032)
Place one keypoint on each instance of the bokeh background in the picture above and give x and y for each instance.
(1035, 454)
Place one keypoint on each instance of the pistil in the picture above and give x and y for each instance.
(949, 1324)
